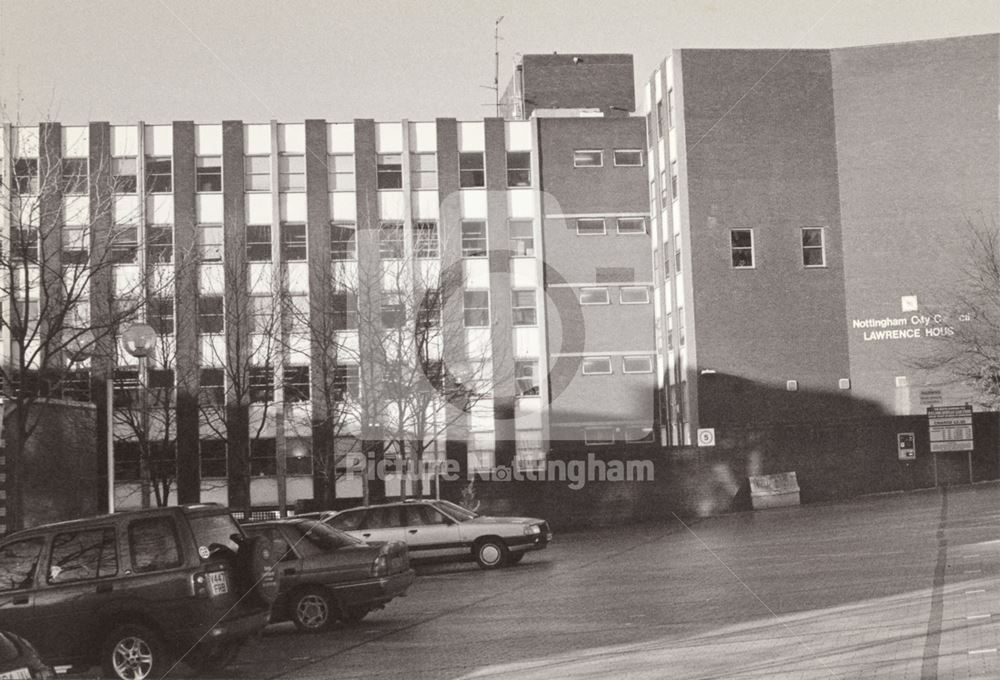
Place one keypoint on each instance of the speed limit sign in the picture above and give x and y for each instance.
(706, 436)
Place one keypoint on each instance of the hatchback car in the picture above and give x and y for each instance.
(327, 575)
(436, 529)
(137, 591)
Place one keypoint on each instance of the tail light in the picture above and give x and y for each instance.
(380, 567)
(199, 585)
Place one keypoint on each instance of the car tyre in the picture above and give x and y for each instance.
(491, 553)
(312, 610)
(134, 652)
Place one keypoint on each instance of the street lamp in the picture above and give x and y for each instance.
(139, 341)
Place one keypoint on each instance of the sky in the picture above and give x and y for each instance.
(210, 60)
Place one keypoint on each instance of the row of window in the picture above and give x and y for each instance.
(627, 295)
(597, 226)
(594, 158)
(602, 365)
(812, 241)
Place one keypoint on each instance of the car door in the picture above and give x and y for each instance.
(289, 567)
(430, 534)
(18, 570)
(382, 523)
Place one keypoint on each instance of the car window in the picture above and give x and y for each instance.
(347, 520)
(215, 530)
(311, 537)
(455, 511)
(18, 561)
(83, 555)
(153, 544)
(386, 517)
(422, 515)
(9, 649)
(274, 534)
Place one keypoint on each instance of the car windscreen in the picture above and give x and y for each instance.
(320, 535)
(215, 529)
(455, 511)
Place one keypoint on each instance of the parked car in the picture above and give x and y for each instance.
(137, 591)
(20, 661)
(327, 575)
(436, 529)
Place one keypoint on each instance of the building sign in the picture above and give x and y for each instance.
(911, 327)
(950, 428)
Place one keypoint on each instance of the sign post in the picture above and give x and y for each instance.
(950, 429)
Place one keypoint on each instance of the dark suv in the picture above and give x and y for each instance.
(138, 591)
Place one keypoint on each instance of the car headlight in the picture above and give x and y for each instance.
(532, 529)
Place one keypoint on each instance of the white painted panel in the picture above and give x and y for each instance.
(672, 137)
(162, 280)
(293, 207)
(211, 279)
(679, 290)
(124, 140)
(393, 274)
(214, 491)
(527, 341)
(349, 486)
(208, 140)
(429, 272)
(657, 83)
(127, 280)
(481, 416)
(259, 208)
(76, 209)
(163, 355)
(479, 345)
(298, 277)
(340, 138)
(391, 205)
(292, 137)
(646, 98)
(662, 150)
(347, 342)
(472, 136)
(298, 349)
(26, 142)
(257, 139)
(262, 349)
(389, 137)
(344, 206)
(160, 209)
(423, 137)
(425, 205)
(519, 135)
(521, 203)
(213, 350)
(473, 203)
(298, 487)
(523, 272)
(259, 277)
(208, 208)
(669, 67)
(477, 272)
(528, 413)
(159, 140)
(675, 214)
(126, 210)
(667, 298)
(75, 141)
(264, 490)
(346, 274)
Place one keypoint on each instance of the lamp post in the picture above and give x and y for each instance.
(139, 341)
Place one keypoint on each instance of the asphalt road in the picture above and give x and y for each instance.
(900, 586)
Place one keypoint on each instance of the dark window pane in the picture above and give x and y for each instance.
(153, 544)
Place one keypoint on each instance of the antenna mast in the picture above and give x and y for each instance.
(496, 63)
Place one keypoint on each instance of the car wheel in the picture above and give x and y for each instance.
(311, 610)
(491, 553)
(214, 660)
(134, 652)
(354, 614)
(255, 569)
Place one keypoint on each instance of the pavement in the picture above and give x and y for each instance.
(896, 586)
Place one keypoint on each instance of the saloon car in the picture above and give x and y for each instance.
(441, 530)
(327, 575)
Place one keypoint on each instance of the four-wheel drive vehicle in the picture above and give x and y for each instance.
(327, 575)
(138, 591)
(440, 529)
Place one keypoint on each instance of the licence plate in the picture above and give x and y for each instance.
(217, 584)
(18, 674)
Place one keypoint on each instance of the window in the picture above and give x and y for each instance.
(474, 239)
(429, 312)
(19, 562)
(652, 197)
(628, 158)
(74, 175)
(76, 244)
(677, 260)
(26, 176)
(631, 225)
(83, 555)
(680, 326)
(590, 226)
(291, 173)
(596, 365)
(389, 171)
(649, 126)
(588, 158)
(213, 458)
(674, 182)
(123, 175)
(477, 308)
(638, 364)
(344, 310)
(210, 318)
(664, 194)
(425, 239)
(257, 173)
(670, 107)
(598, 436)
(633, 295)
(343, 244)
(661, 112)
(296, 383)
(741, 248)
(124, 244)
(524, 308)
(471, 169)
(259, 242)
(522, 238)
(209, 241)
(293, 242)
(390, 240)
(159, 244)
(24, 243)
(263, 461)
(153, 544)
(594, 296)
(526, 378)
(262, 316)
(160, 315)
(126, 387)
(208, 173)
(423, 171)
(159, 175)
(261, 384)
(813, 247)
(212, 386)
(299, 461)
(393, 310)
(518, 168)
(346, 380)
